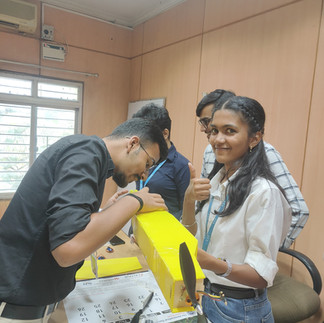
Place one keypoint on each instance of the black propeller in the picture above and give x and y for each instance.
(189, 278)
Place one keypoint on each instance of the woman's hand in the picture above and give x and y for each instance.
(206, 261)
(198, 188)
(242, 274)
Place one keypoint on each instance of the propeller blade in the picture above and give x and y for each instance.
(188, 272)
(189, 278)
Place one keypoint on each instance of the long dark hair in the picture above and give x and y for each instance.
(253, 164)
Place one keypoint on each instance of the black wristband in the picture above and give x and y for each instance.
(138, 199)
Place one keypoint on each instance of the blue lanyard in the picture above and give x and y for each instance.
(211, 228)
(154, 171)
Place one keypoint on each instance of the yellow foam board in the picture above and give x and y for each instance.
(108, 267)
(159, 235)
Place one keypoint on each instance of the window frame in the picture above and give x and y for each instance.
(34, 101)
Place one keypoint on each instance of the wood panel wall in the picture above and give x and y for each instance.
(268, 50)
(93, 47)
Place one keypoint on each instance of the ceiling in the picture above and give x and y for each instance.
(128, 13)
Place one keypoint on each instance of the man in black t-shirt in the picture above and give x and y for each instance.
(52, 223)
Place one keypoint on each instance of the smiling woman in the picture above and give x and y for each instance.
(245, 220)
(230, 139)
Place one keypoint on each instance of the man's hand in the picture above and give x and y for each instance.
(152, 201)
(198, 188)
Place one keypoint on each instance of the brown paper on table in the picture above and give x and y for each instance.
(108, 267)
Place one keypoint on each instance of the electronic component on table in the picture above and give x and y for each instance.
(115, 241)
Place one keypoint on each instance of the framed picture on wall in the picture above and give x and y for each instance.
(136, 105)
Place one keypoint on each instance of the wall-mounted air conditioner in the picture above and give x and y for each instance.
(19, 15)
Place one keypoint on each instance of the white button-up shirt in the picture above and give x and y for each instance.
(252, 234)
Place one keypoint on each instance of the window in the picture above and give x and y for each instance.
(34, 113)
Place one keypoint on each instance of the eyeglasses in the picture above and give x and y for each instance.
(148, 166)
(204, 122)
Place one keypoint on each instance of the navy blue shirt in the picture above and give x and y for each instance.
(171, 181)
(52, 204)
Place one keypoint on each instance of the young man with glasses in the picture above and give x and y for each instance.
(153, 162)
(300, 213)
(52, 223)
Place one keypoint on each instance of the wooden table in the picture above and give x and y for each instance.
(124, 250)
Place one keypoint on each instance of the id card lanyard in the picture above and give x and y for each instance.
(151, 175)
(209, 232)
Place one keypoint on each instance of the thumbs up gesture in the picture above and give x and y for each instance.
(198, 188)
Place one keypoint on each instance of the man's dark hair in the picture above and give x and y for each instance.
(216, 97)
(147, 131)
(158, 114)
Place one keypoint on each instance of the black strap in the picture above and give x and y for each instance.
(233, 292)
(138, 199)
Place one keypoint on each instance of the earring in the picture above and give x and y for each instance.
(250, 149)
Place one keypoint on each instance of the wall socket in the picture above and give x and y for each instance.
(47, 32)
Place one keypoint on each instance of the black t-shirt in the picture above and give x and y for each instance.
(52, 204)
